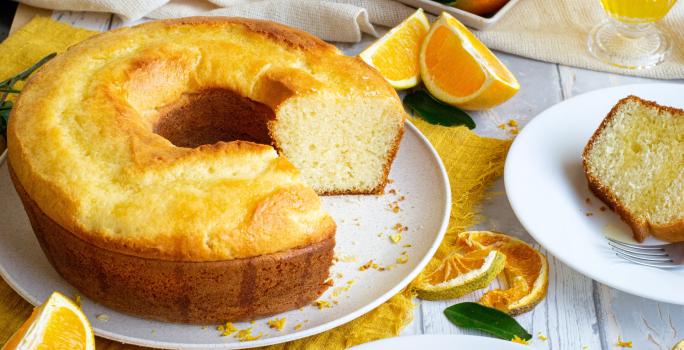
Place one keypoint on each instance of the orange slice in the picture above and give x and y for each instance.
(58, 324)
(526, 271)
(461, 273)
(459, 70)
(395, 55)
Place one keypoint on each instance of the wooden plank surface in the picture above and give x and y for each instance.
(578, 313)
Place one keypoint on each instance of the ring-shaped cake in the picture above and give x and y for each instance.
(170, 170)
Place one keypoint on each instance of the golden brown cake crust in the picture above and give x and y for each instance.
(641, 229)
(189, 292)
(82, 141)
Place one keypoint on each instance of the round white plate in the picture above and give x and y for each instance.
(548, 191)
(363, 227)
(465, 342)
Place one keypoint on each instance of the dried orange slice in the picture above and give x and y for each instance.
(460, 274)
(526, 271)
(395, 55)
(459, 70)
(58, 324)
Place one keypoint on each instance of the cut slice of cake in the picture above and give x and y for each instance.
(634, 162)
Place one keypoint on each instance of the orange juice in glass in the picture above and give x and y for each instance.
(629, 37)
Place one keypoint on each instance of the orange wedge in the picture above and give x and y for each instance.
(459, 70)
(395, 55)
(526, 271)
(58, 324)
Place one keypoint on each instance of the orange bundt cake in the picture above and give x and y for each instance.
(170, 169)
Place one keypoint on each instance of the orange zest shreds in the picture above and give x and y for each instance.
(322, 304)
(517, 339)
(277, 323)
(366, 266)
(512, 123)
(246, 335)
(624, 344)
(542, 337)
(298, 326)
(395, 237)
(226, 329)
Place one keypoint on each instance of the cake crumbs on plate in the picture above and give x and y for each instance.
(322, 304)
(277, 323)
(403, 258)
(154, 331)
(344, 258)
(298, 326)
(392, 191)
(246, 335)
(395, 237)
(226, 329)
(366, 266)
(398, 227)
(542, 337)
(602, 208)
(589, 214)
(512, 123)
(329, 282)
(102, 317)
(407, 246)
(77, 300)
(517, 339)
(339, 275)
(587, 200)
(624, 344)
(585, 347)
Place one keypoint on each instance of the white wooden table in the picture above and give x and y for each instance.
(578, 313)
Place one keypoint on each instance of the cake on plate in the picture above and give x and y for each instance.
(171, 169)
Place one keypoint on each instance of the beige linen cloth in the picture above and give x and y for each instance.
(549, 30)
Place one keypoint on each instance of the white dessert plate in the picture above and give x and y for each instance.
(549, 194)
(420, 188)
(465, 342)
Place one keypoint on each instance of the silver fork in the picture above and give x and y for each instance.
(664, 256)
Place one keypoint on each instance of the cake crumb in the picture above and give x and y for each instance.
(392, 191)
(602, 208)
(366, 266)
(277, 323)
(246, 335)
(403, 258)
(102, 317)
(407, 246)
(329, 282)
(501, 126)
(512, 123)
(624, 344)
(226, 329)
(298, 326)
(77, 300)
(515, 131)
(542, 337)
(322, 304)
(587, 200)
(589, 213)
(517, 339)
(339, 275)
(395, 237)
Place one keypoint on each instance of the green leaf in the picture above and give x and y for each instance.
(486, 319)
(436, 112)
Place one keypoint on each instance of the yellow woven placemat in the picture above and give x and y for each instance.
(472, 162)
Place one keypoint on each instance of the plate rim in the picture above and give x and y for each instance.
(548, 113)
(446, 215)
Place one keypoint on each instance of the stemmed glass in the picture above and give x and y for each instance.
(629, 38)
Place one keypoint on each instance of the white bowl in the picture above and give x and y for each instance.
(467, 18)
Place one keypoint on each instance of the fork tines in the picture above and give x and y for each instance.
(650, 255)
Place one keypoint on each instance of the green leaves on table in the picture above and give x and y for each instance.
(424, 105)
(7, 87)
(486, 319)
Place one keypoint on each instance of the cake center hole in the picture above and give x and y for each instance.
(214, 115)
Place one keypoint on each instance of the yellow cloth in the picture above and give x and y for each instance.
(472, 162)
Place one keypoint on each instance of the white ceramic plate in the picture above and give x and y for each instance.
(548, 192)
(363, 226)
(469, 19)
(465, 342)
